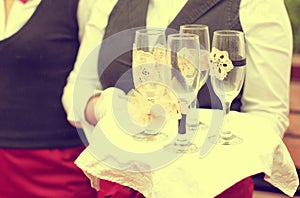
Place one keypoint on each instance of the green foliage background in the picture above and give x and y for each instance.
(293, 8)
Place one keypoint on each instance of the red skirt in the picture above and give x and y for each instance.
(242, 189)
(47, 173)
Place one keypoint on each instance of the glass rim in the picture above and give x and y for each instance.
(183, 36)
(228, 32)
(194, 26)
(152, 31)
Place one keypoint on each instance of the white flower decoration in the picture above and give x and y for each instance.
(221, 64)
(145, 96)
(185, 60)
(141, 57)
(159, 54)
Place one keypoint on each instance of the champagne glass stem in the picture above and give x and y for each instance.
(227, 107)
(182, 124)
(227, 137)
(182, 143)
(226, 133)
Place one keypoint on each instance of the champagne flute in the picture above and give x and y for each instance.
(183, 56)
(228, 74)
(203, 32)
(149, 52)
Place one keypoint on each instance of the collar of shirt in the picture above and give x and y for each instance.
(20, 13)
(161, 13)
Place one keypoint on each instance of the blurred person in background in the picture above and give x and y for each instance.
(39, 40)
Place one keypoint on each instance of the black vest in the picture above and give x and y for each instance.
(34, 65)
(217, 14)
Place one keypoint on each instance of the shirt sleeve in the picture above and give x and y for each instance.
(82, 82)
(83, 14)
(269, 50)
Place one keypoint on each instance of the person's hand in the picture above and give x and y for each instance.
(114, 103)
(110, 99)
(75, 124)
(95, 181)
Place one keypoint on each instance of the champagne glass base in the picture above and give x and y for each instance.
(197, 126)
(148, 137)
(226, 140)
(202, 126)
(181, 146)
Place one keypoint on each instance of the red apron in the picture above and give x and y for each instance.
(42, 173)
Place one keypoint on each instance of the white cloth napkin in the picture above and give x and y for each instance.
(156, 175)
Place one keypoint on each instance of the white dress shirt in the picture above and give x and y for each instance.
(269, 49)
(21, 12)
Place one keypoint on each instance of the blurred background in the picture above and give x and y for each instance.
(293, 7)
(292, 135)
